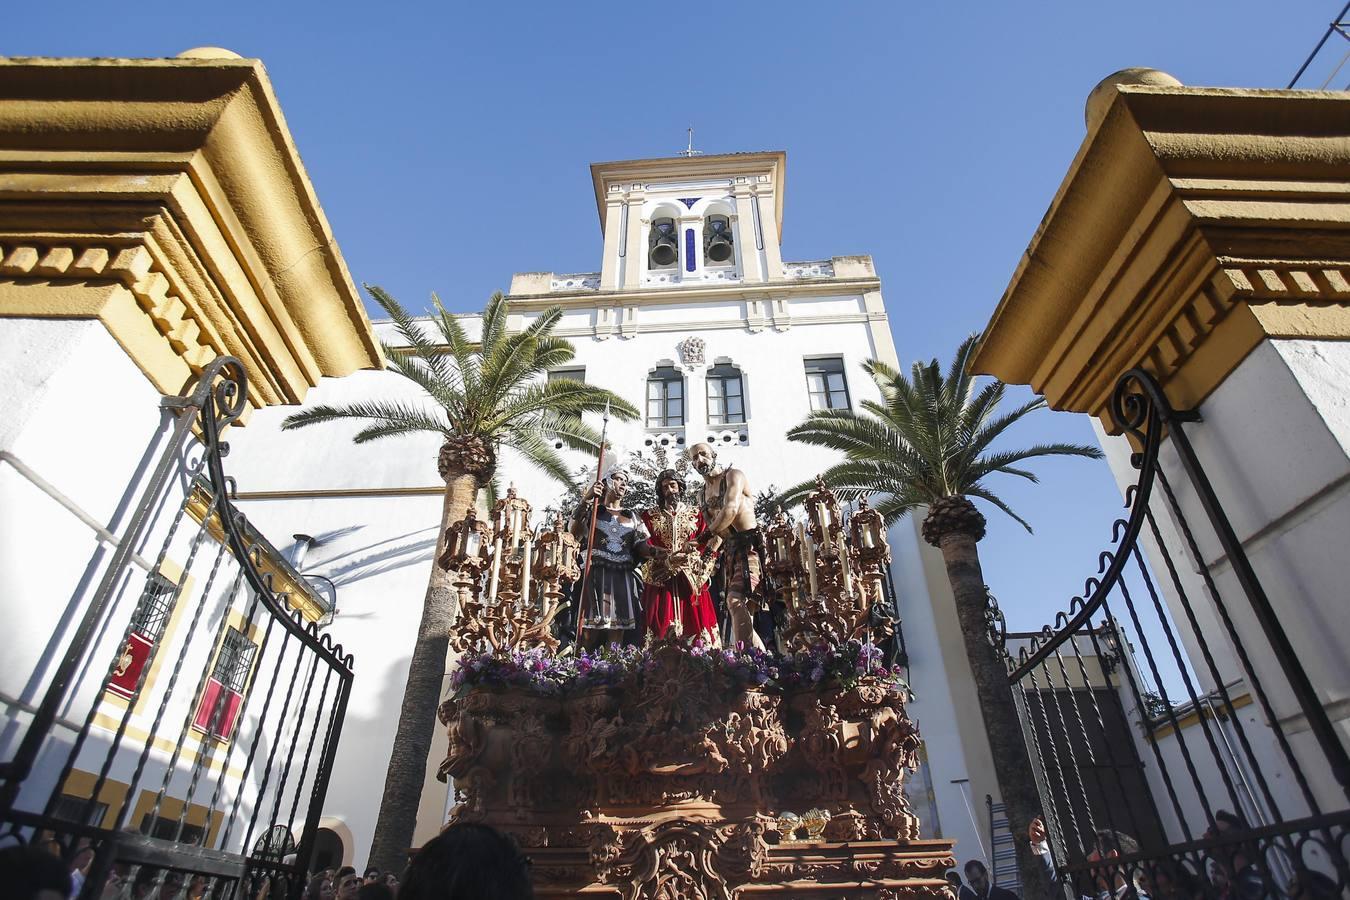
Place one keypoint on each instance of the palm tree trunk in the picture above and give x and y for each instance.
(1012, 765)
(421, 696)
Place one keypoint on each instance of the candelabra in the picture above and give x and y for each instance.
(830, 574)
(503, 616)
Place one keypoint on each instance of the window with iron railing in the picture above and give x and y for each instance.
(225, 690)
(149, 621)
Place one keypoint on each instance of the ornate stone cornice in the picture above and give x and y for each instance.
(1193, 224)
(170, 190)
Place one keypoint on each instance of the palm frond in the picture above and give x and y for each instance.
(989, 497)
(460, 347)
(494, 322)
(411, 331)
(539, 452)
(927, 438)
(390, 412)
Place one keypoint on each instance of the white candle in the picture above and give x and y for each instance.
(801, 543)
(515, 527)
(823, 517)
(811, 563)
(843, 565)
(496, 569)
(866, 532)
(525, 573)
(781, 544)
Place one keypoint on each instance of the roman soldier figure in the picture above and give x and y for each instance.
(675, 600)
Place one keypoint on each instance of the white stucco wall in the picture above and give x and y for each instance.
(87, 425)
(377, 533)
(1272, 441)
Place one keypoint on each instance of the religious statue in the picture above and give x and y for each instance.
(613, 590)
(675, 599)
(729, 518)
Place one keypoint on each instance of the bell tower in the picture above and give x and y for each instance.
(690, 221)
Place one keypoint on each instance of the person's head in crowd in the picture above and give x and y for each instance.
(1171, 881)
(171, 885)
(1238, 856)
(321, 887)
(371, 876)
(375, 890)
(32, 873)
(347, 884)
(978, 876)
(466, 862)
(954, 879)
(143, 884)
(1111, 876)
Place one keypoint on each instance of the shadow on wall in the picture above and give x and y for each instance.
(375, 559)
(357, 784)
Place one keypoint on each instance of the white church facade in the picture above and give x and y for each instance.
(694, 318)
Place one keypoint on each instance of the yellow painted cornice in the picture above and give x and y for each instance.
(299, 595)
(692, 168)
(178, 180)
(1192, 224)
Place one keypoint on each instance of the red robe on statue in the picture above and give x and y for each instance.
(675, 599)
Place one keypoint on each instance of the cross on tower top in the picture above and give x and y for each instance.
(689, 150)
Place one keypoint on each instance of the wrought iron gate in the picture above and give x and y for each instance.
(191, 755)
(1162, 764)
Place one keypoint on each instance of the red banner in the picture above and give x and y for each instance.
(131, 662)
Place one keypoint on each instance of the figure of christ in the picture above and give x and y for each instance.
(675, 599)
(614, 591)
(729, 519)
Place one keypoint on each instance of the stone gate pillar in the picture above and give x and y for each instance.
(1204, 235)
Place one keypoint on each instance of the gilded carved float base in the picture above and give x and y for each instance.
(675, 783)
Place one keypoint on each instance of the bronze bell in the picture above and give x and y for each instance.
(663, 249)
(717, 239)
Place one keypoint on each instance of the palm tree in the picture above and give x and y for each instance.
(928, 444)
(484, 396)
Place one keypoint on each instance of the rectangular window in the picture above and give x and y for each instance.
(726, 401)
(665, 399)
(577, 373)
(148, 622)
(165, 828)
(70, 808)
(224, 694)
(825, 383)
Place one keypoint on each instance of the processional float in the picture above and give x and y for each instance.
(681, 770)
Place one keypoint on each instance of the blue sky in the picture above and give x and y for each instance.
(931, 136)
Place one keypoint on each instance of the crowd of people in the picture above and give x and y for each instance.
(1233, 869)
(464, 862)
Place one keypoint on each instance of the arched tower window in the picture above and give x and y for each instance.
(718, 240)
(665, 398)
(726, 395)
(663, 244)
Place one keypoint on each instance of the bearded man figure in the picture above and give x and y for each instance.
(675, 600)
(729, 519)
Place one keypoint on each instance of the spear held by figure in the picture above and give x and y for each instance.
(590, 533)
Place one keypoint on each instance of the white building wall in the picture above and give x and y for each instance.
(1273, 441)
(86, 429)
(375, 507)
